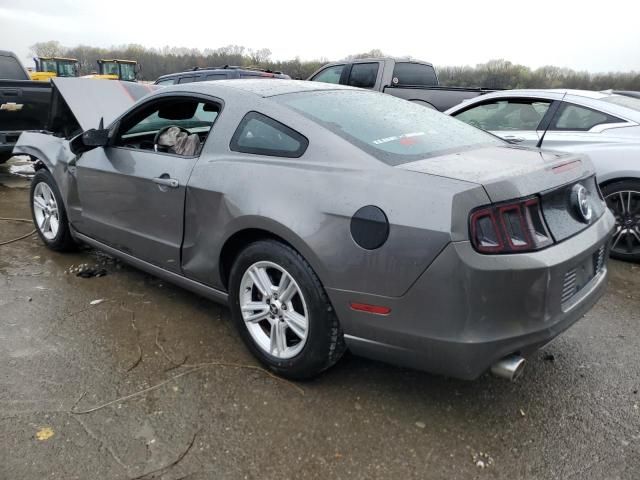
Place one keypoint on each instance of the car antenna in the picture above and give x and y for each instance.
(101, 124)
(539, 144)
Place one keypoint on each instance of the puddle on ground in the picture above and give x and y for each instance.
(15, 171)
(20, 165)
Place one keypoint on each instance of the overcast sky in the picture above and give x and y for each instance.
(604, 36)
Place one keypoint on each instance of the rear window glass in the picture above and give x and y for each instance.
(406, 73)
(10, 69)
(629, 102)
(363, 75)
(576, 118)
(261, 135)
(391, 129)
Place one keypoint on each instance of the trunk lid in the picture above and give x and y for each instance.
(507, 172)
(511, 173)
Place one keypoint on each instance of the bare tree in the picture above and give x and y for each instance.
(52, 48)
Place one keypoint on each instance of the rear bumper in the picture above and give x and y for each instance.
(467, 310)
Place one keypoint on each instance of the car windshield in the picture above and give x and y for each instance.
(629, 102)
(393, 130)
(67, 69)
(127, 71)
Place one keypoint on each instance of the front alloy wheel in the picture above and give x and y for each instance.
(48, 212)
(45, 211)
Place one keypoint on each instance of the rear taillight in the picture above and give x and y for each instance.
(509, 228)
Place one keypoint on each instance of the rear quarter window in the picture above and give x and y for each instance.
(572, 117)
(261, 135)
(407, 73)
(216, 76)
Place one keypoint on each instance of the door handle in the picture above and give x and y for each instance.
(513, 139)
(167, 182)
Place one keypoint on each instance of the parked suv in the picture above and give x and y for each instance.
(217, 73)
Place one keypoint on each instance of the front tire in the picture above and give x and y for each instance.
(282, 312)
(623, 198)
(48, 212)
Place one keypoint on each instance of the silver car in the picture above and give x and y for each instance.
(603, 125)
(327, 218)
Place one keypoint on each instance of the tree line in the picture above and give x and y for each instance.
(155, 62)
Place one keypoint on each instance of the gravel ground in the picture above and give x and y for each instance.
(575, 413)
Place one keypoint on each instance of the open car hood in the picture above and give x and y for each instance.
(90, 100)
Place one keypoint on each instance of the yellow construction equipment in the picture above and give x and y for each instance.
(126, 70)
(50, 67)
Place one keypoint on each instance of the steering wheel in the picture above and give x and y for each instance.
(164, 129)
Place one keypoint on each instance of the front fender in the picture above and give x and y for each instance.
(53, 152)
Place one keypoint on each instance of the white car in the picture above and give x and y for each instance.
(603, 125)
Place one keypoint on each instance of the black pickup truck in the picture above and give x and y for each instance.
(409, 79)
(24, 104)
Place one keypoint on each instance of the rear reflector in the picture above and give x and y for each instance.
(377, 309)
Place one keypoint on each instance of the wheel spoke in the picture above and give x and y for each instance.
(615, 242)
(256, 312)
(54, 224)
(629, 239)
(286, 289)
(39, 202)
(278, 339)
(261, 281)
(297, 323)
(624, 210)
(46, 224)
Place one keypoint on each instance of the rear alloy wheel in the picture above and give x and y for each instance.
(282, 311)
(274, 310)
(623, 198)
(49, 215)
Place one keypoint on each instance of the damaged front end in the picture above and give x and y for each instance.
(77, 105)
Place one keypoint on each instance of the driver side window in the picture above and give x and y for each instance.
(177, 126)
(503, 115)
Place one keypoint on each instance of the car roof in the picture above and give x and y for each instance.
(223, 69)
(266, 87)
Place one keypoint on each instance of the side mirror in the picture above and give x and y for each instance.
(95, 137)
(89, 140)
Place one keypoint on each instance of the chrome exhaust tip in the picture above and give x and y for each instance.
(510, 367)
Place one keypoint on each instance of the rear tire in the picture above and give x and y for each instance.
(48, 213)
(293, 329)
(623, 198)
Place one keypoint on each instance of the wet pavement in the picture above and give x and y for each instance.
(575, 413)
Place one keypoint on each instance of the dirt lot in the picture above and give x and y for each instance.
(574, 414)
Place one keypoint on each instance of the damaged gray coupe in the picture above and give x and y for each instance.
(327, 218)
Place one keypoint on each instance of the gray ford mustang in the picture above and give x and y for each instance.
(328, 218)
